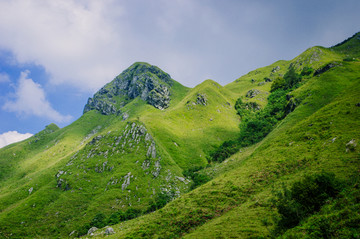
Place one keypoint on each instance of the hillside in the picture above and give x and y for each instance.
(142, 135)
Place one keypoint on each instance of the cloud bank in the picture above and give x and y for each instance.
(12, 137)
(86, 43)
(29, 99)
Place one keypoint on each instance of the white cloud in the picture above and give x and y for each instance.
(75, 41)
(85, 43)
(12, 137)
(30, 100)
(4, 78)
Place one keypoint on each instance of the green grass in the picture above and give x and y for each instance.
(236, 203)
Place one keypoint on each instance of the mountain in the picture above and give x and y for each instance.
(145, 140)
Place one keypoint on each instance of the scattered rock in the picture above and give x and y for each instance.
(326, 68)
(261, 83)
(125, 116)
(252, 93)
(91, 231)
(146, 81)
(350, 146)
(156, 170)
(126, 181)
(201, 99)
(151, 151)
(267, 79)
(275, 69)
(30, 190)
(109, 231)
(181, 179)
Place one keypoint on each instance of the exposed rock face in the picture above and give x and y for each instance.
(109, 231)
(275, 69)
(201, 99)
(326, 68)
(91, 231)
(252, 93)
(140, 80)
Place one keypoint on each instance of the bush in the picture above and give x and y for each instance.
(98, 221)
(306, 71)
(161, 199)
(278, 83)
(198, 178)
(304, 198)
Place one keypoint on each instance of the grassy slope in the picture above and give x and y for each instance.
(50, 210)
(236, 201)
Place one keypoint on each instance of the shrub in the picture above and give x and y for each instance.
(98, 221)
(304, 198)
(161, 199)
(306, 71)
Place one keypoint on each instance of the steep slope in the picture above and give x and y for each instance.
(137, 135)
(320, 135)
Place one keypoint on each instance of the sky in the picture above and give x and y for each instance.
(56, 54)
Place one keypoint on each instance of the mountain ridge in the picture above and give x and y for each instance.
(129, 155)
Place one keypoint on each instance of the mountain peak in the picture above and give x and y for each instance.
(142, 80)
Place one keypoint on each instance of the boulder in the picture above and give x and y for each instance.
(326, 68)
(91, 231)
(252, 93)
(201, 99)
(275, 69)
(109, 231)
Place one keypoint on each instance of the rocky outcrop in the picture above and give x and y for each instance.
(140, 80)
(326, 68)
(109, 231)
(252, 93)
(275, 69)
(201, 99)
(91, 231)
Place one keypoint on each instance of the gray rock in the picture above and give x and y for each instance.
(125, 116)
(109, 231)
(326, 68)
(151, 151)
(91, 231)
(275, 69)
(30, 190)
(252, 93)
(351, 145)
(126, 181)
(201, 99)
(157, 168)
(140, 80)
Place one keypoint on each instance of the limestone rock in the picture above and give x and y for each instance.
(201, 99)
(125, 116)
(126, 181)
(140, 80)
(275, 69)
(351, 145)
(252, 93)
(91, 231)
(109, 231)
(326, 68)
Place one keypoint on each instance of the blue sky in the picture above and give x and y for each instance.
(55, 54)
